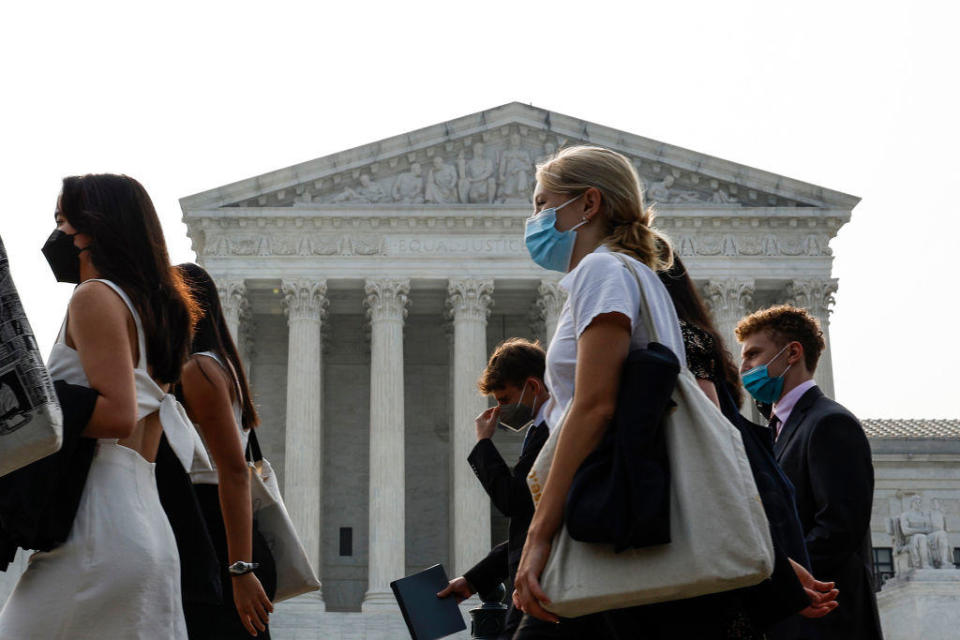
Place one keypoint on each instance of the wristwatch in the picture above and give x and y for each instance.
(240, 568)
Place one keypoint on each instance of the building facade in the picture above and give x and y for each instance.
(367, 288)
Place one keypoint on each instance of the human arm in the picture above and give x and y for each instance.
(207, 395)
(601, 350)
(480, 578)
(99, 327)
(710, 390)
(507, 489)
(822, 595)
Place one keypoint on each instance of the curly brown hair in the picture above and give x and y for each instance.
(512, 362)
(786, 323)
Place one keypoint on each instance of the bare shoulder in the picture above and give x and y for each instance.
(204, 375)
(94, 301)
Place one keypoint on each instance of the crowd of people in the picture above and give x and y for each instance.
(163, 543)
(811, 462)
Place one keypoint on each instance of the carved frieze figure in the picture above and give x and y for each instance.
(515, 172)
(663, 191)
(477, 180)
(549, 149)
(368, 191)
(409, 186)
(441, 182)
(722, 197)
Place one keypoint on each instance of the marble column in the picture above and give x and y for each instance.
(816, 296)
(305, 303)
(386, 302)
(550, 299)
(730, 300)
(468, 302)
(236, 312)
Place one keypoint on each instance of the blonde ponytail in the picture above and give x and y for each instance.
(628, 221)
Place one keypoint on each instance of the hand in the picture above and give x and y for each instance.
(486, 423)
(528, 595)
(823, 595)
(253, 605)
(459, 588)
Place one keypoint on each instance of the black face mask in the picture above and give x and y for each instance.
(63, 256)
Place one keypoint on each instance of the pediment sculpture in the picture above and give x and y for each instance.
(496, 167)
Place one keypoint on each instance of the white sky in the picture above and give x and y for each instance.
(860, 97)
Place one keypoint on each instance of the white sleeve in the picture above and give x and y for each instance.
(601, 284)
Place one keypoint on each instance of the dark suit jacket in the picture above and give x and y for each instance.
(508, 490)
(823, 450)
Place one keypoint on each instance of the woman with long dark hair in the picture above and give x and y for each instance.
(126, 334)
(791, 589)
(217, 397)
(707, 356)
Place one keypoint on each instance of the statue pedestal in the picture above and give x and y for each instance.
(921, 603)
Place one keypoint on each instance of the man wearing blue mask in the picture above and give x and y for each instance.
(514, 377)
(824, 452)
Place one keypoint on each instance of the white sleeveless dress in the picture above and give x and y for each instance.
(118, 573)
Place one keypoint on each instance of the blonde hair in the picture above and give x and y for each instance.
(629, 229)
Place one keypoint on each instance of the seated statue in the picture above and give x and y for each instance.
(941, 555)
(915, 526)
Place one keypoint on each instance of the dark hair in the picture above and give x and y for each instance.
(128, 248)
(212, 334)
(512, 362)
(691, 309)
(787, 324)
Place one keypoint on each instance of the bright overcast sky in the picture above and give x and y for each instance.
(860, 97)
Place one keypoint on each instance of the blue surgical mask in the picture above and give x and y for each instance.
(549, 248)
(761, 386)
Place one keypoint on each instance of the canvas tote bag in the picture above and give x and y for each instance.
(295, 576)
(720, 537)
(31, 424)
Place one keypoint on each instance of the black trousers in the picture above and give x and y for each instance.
(714, 617)
(221, 622)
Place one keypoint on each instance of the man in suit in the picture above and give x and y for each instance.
(514, 377)
(824, 452)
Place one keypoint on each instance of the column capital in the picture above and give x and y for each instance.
(233, 297)
(386, 298)
(550, 298)
(305, 299)
(470, 298)
(813, 294)
(730, 296)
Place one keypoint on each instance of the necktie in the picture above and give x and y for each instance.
(774, 427)
(526, 437)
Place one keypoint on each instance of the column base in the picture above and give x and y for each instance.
(312, 601)
(379, 602)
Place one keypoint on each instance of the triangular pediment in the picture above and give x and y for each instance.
(488, 158)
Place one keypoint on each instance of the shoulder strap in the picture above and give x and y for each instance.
(141, 339)
(644, 307)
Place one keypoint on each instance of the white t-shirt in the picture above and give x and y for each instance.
(602, 284)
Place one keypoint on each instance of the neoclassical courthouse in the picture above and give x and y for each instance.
(367, 288)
